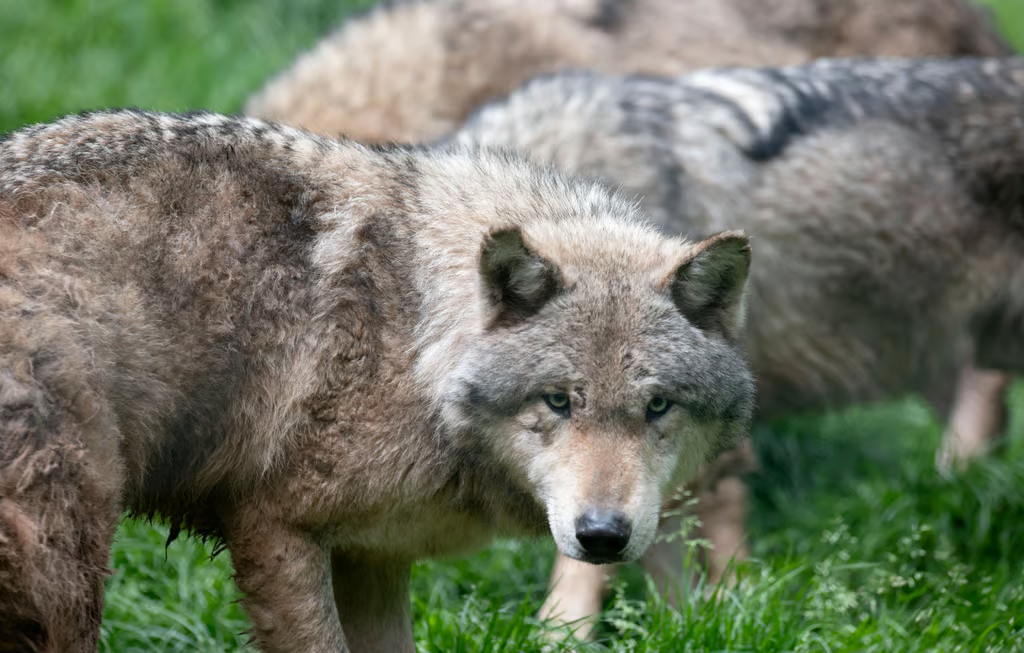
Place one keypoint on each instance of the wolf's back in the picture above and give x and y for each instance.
(640, 132)
(412, 71)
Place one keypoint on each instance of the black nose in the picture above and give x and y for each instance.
(603, 535)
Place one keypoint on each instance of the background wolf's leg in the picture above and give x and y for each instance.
(978, 415)
(286, 584)
(372, 596)
(575, 595)
(721, 510)
(52, 569)
(666, 563)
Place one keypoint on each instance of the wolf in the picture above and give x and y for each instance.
(335, 360)
(885, 199)
(413, 70)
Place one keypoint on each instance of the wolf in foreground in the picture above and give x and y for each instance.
(885, 199)
(337, 360)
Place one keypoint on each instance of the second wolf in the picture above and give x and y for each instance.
(412, 71)
(885, 198)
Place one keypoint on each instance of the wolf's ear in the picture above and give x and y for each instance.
(517, 282)
(708, 287)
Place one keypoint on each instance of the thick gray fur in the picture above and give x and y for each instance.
(883, 196)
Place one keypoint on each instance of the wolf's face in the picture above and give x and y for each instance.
(599, 386)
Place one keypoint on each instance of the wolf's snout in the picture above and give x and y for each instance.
(603, 535)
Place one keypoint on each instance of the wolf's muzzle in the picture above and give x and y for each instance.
(603, 535)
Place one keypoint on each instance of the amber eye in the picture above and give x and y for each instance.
(558, 402)
(657, 407)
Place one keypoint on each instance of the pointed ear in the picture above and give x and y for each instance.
(708, 287)
(517, 282)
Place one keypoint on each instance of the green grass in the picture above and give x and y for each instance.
(1009, 15)
(62, 56)
(858, 544)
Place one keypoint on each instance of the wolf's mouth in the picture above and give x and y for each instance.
(601, 559)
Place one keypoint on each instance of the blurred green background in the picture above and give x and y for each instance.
(61, 56)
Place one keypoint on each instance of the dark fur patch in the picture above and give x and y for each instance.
(804, 111)
(610, 15)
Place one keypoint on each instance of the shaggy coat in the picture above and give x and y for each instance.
(337, 360)
(885, 201)
(411, 71)
(885, 198)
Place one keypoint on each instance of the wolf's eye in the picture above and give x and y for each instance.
(558, 402)
(657, 407)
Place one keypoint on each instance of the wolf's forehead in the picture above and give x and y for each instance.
(617, 331)
(617, 301)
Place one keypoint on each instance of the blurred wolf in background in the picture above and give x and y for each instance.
(885, 199)
(411, 71)
(337, 360)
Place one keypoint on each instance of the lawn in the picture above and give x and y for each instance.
(858, 544)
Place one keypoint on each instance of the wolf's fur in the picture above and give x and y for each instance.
(333, 358)
(885, 199)
(412, 71)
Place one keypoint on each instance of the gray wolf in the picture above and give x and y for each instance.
(335, 360)
(884, 198)
(412, 71)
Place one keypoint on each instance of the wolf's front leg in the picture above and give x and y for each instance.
(285, 578)
(372, 596)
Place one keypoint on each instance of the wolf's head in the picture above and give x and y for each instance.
(606, 374)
